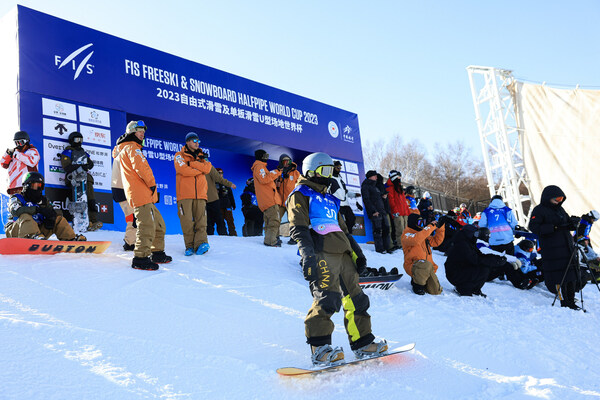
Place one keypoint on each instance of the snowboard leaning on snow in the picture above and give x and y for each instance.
(383, 282)
(294, 371)
(34, 246)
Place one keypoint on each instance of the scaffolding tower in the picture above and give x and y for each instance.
(501, 138)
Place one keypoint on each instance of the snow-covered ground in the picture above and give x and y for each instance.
(218, 326)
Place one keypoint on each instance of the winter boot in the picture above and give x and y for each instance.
(478, 292)
(203, 248)
(418, 289)
(375, 348)
(382, 271)
(394, 271)
(291, 241)
(326, 355)
(144, 263)
(159, 257)
(128, 247)
(189, 251)
(37, 236)
(94, 226)
(78, 238)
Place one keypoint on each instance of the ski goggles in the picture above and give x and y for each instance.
(78, 139)
(421, 223)
(21, 142)
(36, 186)
(324, 170)
(140, 125)
(559, 199)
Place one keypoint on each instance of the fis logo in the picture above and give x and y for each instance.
(70, 60)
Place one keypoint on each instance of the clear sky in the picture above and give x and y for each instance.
(401, 66)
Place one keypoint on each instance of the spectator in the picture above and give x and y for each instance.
(553, 226)
(253, 217)
(269, 199)
(140, 190)
(398, 204)
(411, 201)
(23, 158)
(417, 241)
(119, 197)
(213, 205)
(227, 203)
(339, 190)
(33, 216)
(426, 208)
(191, 168)
(464, 216)
(72, 158)
(452, 227)
(286, 182)
(376, 211)
(525, 252)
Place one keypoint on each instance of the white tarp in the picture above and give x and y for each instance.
(562, 144)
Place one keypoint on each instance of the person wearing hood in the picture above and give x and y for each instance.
(72, 158)
(140, 190)
(426, 208)
(452, 228)
(398, 205)
(191, 169)
(339, 190)
(19, 160)
(268, 197)
(501, 221)
(331, 262)
(417, 241)
(32, 215)
(376, 211)
(287, 182)
(467, 267)
(253, 217)
(553, 227)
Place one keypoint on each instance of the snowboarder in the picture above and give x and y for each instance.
(120, 198)
(525, 252)
(253, 217)
(327, 252)
(411, 201)
(33, 216)
(140, 190)
(72, 158)
(23, 158)
(269, 199)
(417, 241)
(191, 170)
(501, 221)
(553, 226)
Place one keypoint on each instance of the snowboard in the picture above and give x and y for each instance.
(35, 246)
(294, 371)
(78, 206)
(383, 282)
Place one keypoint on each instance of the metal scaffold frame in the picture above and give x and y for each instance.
(501, 138)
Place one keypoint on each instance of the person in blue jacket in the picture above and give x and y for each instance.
(501, 221)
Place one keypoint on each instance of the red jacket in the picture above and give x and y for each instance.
(397, 200)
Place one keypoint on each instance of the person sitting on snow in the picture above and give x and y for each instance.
(589, 260)
(525, 252)
(417, 242)
(33, 216)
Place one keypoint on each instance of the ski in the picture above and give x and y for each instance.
(35, 246)
(294, 371)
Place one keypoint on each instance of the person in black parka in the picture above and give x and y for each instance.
(452, 228)
(553, 226)
(377, 212)
(467, 268)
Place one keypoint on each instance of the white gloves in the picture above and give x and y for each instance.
(516, 264)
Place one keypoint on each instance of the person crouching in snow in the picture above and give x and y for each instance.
(417, 242)
(467, 267)
(33, 217)
(525, 252)
(331, 262)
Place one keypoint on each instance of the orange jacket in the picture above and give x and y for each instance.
(417, 245)
(288, 184)
(136, 173)
(264, 183)
(190, 175)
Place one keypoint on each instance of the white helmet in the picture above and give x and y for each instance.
(314, 161)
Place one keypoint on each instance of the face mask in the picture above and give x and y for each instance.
(33, 195)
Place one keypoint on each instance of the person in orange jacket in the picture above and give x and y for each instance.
(286, 182)
(269, 199)
(191, 168)
(417, 242)
(140, 190)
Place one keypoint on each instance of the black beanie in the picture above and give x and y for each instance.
(413, 221)
(371, 173)
(259, 154)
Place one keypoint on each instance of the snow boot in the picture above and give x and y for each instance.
(418, 289)
(382, 271)
(37, 236)
(203, 248)
(375, 348)
(478, 292)
(144, 263)
(326, 355)
(291, 241)
(394, 271)
(159, 257)
(94, 226)
(128, 247)
(78, 238)
(189, 251)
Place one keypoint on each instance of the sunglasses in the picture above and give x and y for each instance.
(325, 171)
(21, 142)
(195, 140)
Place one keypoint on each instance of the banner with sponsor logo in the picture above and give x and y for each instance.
(75, 78)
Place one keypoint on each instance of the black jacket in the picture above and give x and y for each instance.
(226, 199)
(372, 198)
(550, 223)
(464, 256)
